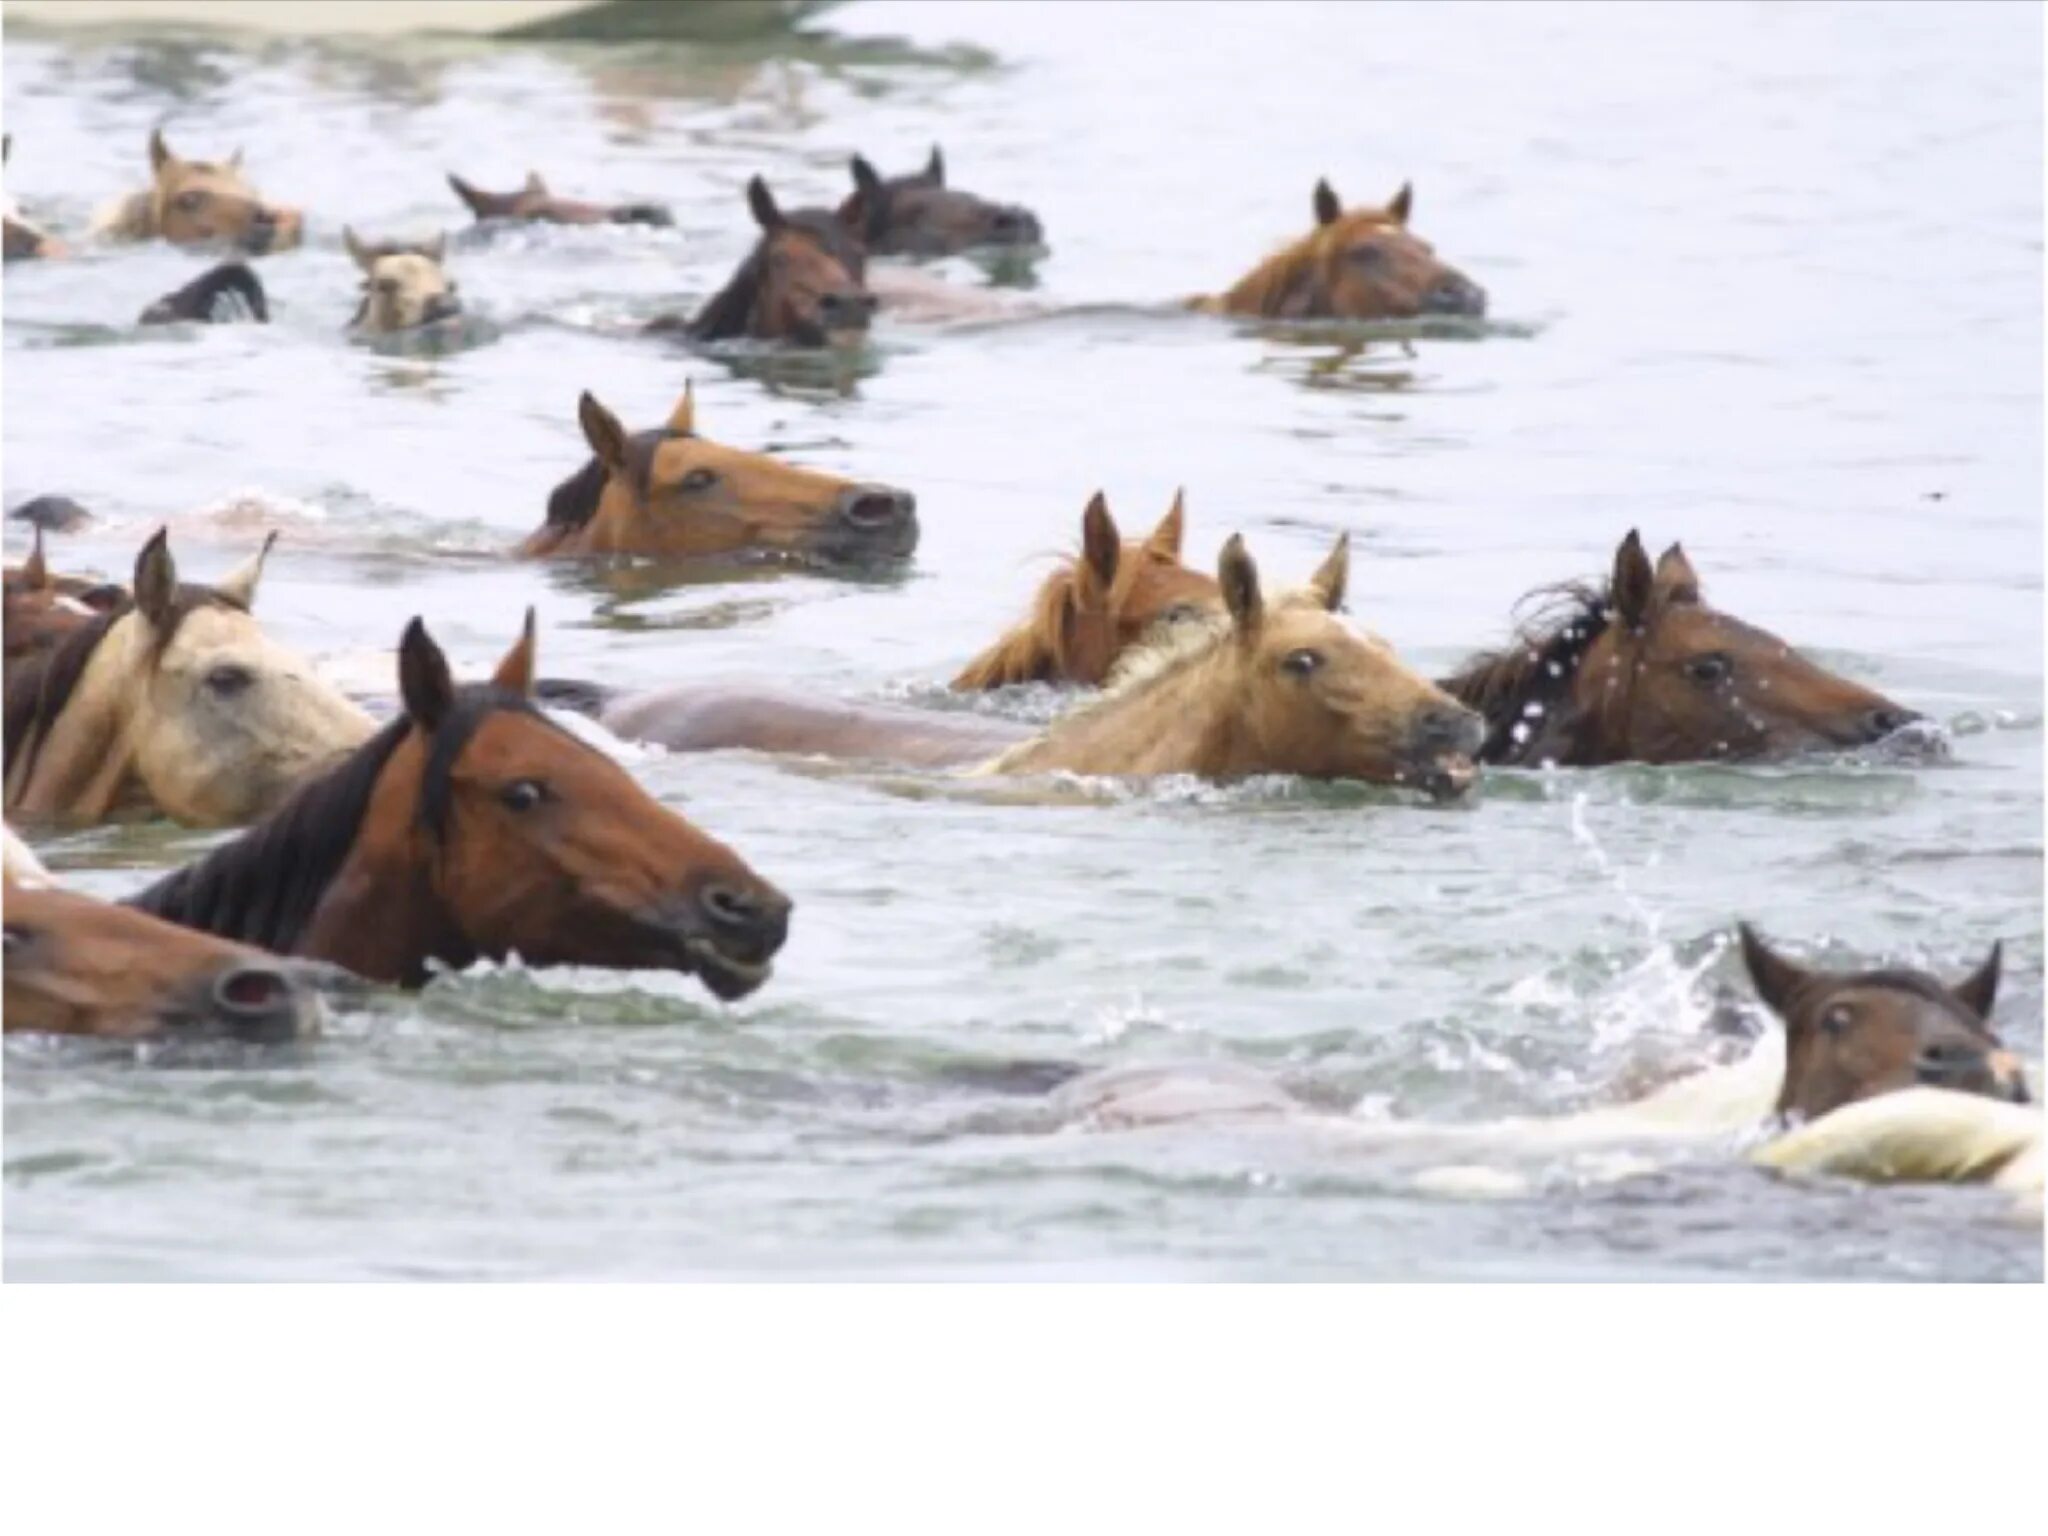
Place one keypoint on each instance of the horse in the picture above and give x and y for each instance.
(1092, 609)
(176, 702)
(201, 202)
(1854, 1035)
(404, 286)
(803, 282)
(533, 203)
(1360, 264)
(473, 827)
(919, 215)
(24, 241)
(669, 492)
(43, 608)
(219, 295)
(1642, 670)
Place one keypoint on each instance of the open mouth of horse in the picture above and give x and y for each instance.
(1444, 777)
(728, 977)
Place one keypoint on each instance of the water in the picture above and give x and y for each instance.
(1766, 279)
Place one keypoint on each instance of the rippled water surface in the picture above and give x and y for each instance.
(1765, 278)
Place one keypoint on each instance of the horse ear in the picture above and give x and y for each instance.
(1328, 209)
(1101, 544)
(866, 179)
(762, 202)
(1403, 203)
(1777, 980)
(35, 571)
(1334, 574)
(476, 201)
(239, 585)
(1980, 990)
(424, 681)
(1239, 578)
(535, 185)
(515, 671)
(602, 431)
(1166, 538)
(437, 248)
(682, 421)
(156, 579)
(935, 168)
(1676, 580)
(359, 252)
(1630, 587)
(159, 152)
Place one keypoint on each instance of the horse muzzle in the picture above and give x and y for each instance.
(727, 934)
(255, 1002)
(1015, 226)
(1455, 295)
(1440, 756)
(871, 522)
(1967, 1067)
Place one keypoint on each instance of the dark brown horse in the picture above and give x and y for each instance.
(1642, 670)
(473, 827)
(919, 215)
(533, 203)
(1851, 1036)
(1092, 609)
(219, 295)
(1360, 264)
(671, 493)
(803, 282)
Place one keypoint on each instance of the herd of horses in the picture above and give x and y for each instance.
(469, 824)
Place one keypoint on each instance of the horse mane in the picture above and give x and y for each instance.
(573, 503)
(725, 313)
(264, 887)
(1033, 650)
(1529, 681)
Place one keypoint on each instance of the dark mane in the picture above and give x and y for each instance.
(1528, 683)
(725, 314)
(264, 887)
(573, 503)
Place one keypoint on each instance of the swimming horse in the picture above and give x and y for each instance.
(43, 608)
(405, 286)
(200, 202)
(473, 827)
(1355, 264)
(176, 702)
(1641, 669)
(672, 492)
(533, 203)
(919, 215)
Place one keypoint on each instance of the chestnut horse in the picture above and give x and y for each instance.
(803, 282)
(1092, 609)
(177, 702)
(42, 608)
(1851, 1036)
(919, 215)
(671, 493)
(1642, 670)
(533, 203)
(1360, 264)
(404, 286)
(474, 827)
(199, 202)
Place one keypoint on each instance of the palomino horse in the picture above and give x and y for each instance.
(801, 283)
(1092, 609)
(224, 293)
(472, 827)
(178, 702)
(199, 202)
(533, 203)
(1642, 670)
(1364, 264)
(43, 608)
(671, 493)
(24, 241)
(404, 287)
(1855, 1035)
(919, 215)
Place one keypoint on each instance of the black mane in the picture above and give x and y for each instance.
(573, 503)
(1528, 683)
(727, 313)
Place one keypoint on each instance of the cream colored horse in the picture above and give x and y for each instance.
(200, 202)
(404, 287)
(179, 703)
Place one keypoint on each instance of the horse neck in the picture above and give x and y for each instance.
(1030, 652)
(735, 309)
(78, 764)
(1184, 720)
(1602, 702)
(1270, 286)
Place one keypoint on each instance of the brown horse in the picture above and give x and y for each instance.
(1364, 264)
(42, 608)
(533, 203)
(1851, 1036)
(1281, 687)
(176, 702)
(1092, 609)
(404, 286)
(76, 966)
(199, 202)
(1642, 670)
(919, 215)
(24, 241)
(474, 827)
(803, 282)
(219, 295)
(671, 493)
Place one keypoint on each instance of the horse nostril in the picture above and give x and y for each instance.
(1885, 719)
(257, 1002)
(847, 308)
(1949, 1060)
(756, 922)
(876, 507)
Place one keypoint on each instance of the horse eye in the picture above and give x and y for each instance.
(1182, 613)
(1302, 663)
(1837, 1019)
(1709, 671)
(227, 680)
(19, 936)
(1367, 255)
(191, 202)
(523, 794)
(698, 480)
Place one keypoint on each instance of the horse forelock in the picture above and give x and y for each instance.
(574, 502)
(473, 705)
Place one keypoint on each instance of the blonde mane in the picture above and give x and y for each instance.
(1035, 647)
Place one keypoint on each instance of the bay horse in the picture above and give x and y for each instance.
(1640, 669)
(803, 283)
(404, 286)
(176, 702)
(473, 827)
(1355, 264)
(1094, 607)
(672, 493)
(201, 202)
(23, 240)
(533, 203)
(919, 215)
